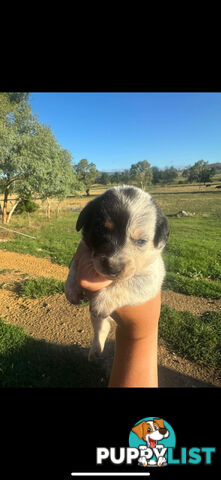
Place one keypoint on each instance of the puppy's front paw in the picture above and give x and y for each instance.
(72, 293)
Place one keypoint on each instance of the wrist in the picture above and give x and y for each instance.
(138, 322)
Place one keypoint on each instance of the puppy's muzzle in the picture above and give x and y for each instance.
(114, 268)
(111, 268)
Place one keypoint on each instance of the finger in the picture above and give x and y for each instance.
(88, 278)
(93, 286)
(81, 252)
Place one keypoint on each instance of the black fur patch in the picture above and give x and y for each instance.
(93, 217)
(162, 227)
(129, 192)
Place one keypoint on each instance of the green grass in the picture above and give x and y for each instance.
(196, 338)
(193, 248)
(40, 287)
(5, 270)
(57, 239)
(15, 365)
(201, 203)
(27, 362)
(193, 256)
(190, 286)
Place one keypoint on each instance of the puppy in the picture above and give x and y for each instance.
(151, 431)
(126, 232)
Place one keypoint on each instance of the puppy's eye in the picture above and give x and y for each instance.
(140, 242)
(155, 427)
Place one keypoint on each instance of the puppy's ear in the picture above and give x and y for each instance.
(85, 215)
(138, 429)
(159, 422)
(161, 229)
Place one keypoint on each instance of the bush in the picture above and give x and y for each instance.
(26, 205)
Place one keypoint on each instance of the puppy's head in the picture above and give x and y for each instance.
(151, 431)
(124, 230)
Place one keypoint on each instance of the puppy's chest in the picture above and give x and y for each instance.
(121, 289)
(113, 292)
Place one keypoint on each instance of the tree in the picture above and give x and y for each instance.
(17, 128)
(9, 101)
(115, 178)
(141, 173)
(31, 160)
(200, 172)
(86, 172)
(104, 178)
(156, 175)
(125, 176)
(168, 174)
(53, 174)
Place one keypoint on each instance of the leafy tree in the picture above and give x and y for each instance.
(104, 178)
(200, 172)
(9, 101)
(86, 173)
(116, 178)
(125, 177)
(53, 174)
(17, 129)
(156, 175)
(18, 97)
(141, 173)
(31, 160)
(169, 174)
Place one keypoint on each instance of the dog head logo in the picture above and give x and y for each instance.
(152, 436)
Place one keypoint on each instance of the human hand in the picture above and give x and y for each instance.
(135, 360)
(87, 277)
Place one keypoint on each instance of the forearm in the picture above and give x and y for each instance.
(135, 359)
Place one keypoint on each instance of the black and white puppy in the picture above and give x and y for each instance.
(126, 232)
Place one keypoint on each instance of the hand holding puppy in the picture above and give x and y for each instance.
(87, 277)
(135, 361)
(82, 276)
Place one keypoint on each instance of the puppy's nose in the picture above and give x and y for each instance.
(115, 271)
(112, 269)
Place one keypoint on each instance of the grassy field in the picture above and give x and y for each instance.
(193, 263)
(192, 255)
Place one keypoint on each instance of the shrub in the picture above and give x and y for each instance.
(26, 205)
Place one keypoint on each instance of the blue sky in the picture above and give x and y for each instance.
(114, 130)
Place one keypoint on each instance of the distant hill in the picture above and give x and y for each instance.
(217, 165)
(110, 172)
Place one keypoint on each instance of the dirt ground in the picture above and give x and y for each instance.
(59, 323)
